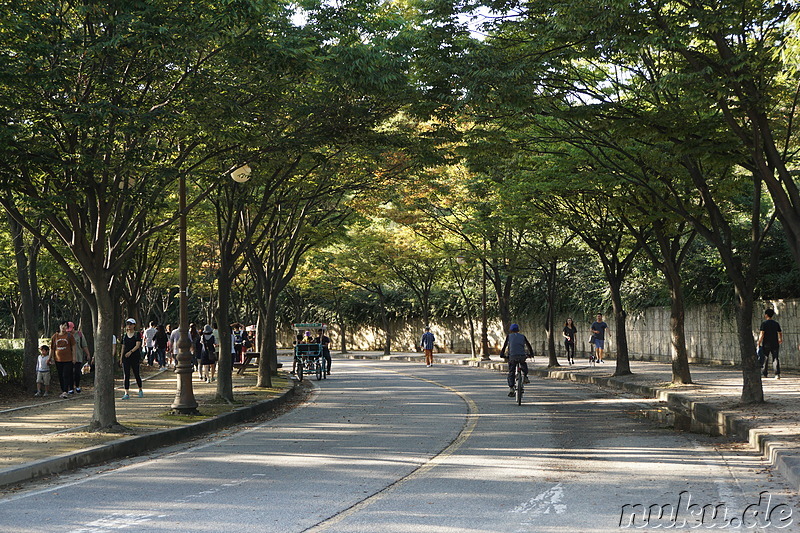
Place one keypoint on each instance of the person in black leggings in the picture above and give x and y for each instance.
(131, 357)
(569, 340)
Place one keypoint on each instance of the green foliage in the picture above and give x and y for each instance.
(12, 360)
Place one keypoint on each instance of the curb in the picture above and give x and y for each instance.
(690, 415)
(136, 445)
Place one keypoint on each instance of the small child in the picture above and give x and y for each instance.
(43, 371)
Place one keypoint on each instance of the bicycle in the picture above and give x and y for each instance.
(519, 382)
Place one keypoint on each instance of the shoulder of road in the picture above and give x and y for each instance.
(44, 437)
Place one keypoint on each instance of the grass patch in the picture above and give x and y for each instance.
(187, 419)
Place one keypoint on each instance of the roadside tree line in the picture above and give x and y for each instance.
(567, 155)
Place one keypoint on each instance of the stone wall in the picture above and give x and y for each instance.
(710, 334)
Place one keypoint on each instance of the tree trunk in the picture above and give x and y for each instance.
(504, 301)
(680, 356)
(752, 389)
(104, 415)
(268, 361)
(86, 325)
(387, 347)
(621, 334)
(29, 306)
(16, 320)
(225, 358)
(470, 320)
(343, 336)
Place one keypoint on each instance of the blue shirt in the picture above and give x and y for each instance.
(516, 343)
(427, 340)
(601, 328)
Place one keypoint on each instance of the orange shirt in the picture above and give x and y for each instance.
(62, 345)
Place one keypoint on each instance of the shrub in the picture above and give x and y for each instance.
(12, 362)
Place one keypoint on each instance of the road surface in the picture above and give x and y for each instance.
(385, 447)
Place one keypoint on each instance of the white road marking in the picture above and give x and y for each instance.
(548, 502)
(115, 521)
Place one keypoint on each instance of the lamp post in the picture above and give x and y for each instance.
(185, 402)
(484, 320)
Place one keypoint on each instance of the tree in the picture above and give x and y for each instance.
(26, 256)
(105, 109)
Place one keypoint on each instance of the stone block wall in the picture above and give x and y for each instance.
(710, 334)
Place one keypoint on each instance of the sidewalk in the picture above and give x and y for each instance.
(45, 436)
(709, 405)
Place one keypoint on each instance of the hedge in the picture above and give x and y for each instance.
(12, 362)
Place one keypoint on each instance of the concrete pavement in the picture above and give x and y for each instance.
(711, 404)
(41, 437)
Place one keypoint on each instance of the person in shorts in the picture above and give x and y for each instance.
(599, 336)
(43, 363)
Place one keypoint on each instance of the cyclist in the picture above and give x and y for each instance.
(516, 343)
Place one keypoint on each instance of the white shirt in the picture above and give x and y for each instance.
(42, 363)
(174, 337)
(149, 335)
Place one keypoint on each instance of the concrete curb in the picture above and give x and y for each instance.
(697, 416)
(136, 445)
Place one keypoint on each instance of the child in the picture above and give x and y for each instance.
(43, 363)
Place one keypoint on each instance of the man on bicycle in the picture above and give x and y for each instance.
(516, 343)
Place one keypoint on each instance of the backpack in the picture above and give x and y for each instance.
(208, 347)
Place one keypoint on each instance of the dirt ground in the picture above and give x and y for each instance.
(37, 428)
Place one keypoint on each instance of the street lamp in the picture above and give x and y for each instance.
(484, 320)
(241, 174)
(185, 402)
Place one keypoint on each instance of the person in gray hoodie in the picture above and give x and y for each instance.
(516, 343)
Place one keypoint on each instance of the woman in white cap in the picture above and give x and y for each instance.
(131, 357)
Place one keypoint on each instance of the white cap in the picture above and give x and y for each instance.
(130, 321)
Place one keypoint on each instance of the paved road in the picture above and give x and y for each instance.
(393, 447)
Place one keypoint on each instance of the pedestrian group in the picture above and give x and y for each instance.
(69, 357)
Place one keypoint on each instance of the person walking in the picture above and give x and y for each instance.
(82, 355)
(208, 353)
(174, 338)
(62, 347)
(197, 349)
(238, 341)
(516, 343)
(43, 364)
(569, 340)
(599, 336)
(160, 341)
(150, 349)
(770, 338)
(427, 343)
(131, 357)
